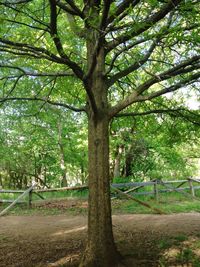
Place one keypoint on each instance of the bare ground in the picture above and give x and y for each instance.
(58, 240)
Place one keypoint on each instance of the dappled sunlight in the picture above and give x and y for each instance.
(171, 253)
(185, 252)
(64, 260)
(62, 232)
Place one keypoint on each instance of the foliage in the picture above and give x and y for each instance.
(108, 59)
(167, 155)
(30, 149)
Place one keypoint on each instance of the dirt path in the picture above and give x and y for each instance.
(44, 241)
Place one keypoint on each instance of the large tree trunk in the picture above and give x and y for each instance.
(100, 250)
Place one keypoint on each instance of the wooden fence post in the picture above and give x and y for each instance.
(17, 200)
(191, 187)
(155, 190)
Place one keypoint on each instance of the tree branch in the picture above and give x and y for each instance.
(105, 13)
(3, 100)
(36, 74)
(145, 25)
(187, 81)
(54, 34)
(121, 8)
(33, 50)
(177, 112)
(125, 48)
(75, 8)
(68, 9)
(182, 68)
(16, 2)
(30, 26)
(20, 11)
(136, 65)
(40, 53)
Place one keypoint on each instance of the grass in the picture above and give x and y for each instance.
(169, 203)
(179, 251)
(49, 195)
(173, 202)
(167, 242)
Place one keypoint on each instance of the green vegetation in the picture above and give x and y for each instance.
(92, 91)
(179, 250)
(175, 204)
(53, 204)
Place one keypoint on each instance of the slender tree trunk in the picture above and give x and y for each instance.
(129, 159)
(1, 181)
(117, 161)
(62, 155)
(100, 250)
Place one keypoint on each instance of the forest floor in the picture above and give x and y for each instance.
(58, 240)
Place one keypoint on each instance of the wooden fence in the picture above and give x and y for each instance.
(128, 190)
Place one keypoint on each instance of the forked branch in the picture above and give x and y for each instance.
(187, 66)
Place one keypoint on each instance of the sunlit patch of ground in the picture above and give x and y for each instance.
(186, 253)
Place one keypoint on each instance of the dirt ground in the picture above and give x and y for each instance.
(58, 240)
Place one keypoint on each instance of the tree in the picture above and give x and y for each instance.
(136, 156)
(41, 149)
(104, 56)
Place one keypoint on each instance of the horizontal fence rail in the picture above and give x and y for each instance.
(129, 190)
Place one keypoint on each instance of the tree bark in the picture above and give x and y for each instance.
(100, 250)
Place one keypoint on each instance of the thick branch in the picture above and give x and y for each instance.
(145, 25)
(172, 88)
(54, 34)
(136, 65)
(75, 8)
(121, 8)
(105, 13)
(67, 9)
(33, 50)
(184, 67)
(17, 48)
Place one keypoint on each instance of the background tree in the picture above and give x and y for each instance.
(35, 148)
(136, 156)
(95, 50)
